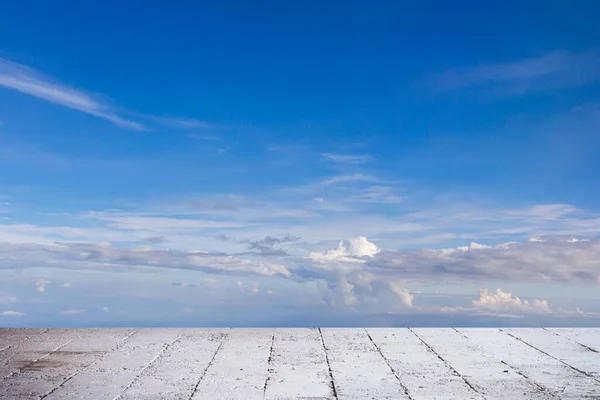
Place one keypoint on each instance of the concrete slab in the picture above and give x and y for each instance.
(285, 364)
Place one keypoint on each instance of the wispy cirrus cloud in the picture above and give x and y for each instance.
(187, 123)
(347, 158)
(29, 81)
(349, 178)
(105, 257)
(12, 314)
(513, 78)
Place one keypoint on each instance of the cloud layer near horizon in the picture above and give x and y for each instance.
(354, 274)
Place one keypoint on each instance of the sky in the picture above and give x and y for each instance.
(265, 163)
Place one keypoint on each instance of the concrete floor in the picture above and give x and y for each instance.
(351, 364)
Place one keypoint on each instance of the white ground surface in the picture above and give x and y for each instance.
(316, 364)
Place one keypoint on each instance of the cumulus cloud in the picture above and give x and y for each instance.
(12, 314)
(346, 279)
(505, 305)
(404, 295)
(506, 302)
(248, 288)
(357, 250)
(357, 270)
(346, 290)
(361, 247)
(338, 292)
(354, 273)
(41, 284)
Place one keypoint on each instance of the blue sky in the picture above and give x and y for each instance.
(280, 163)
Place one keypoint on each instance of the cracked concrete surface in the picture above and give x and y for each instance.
(285, 364)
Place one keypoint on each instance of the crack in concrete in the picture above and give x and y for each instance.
(519, 372)
(469, 384)
(588, 348)
(460, 333)
(160, 353)
(210, 363)
(387, 362)
(31, 363)
(269, 360)
(73, 375)
(333, 389)
(550, 355)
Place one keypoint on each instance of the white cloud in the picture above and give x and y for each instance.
(358, 248)
(187, 123)
(471, 247)
(361, 247)
(505, 305)
(403, 294)
(248, 288)
(505, 302)
(12, 314)
(103, 256)
(26, 80)
(348, 178)
(552, 211)
(105, 309)
(552, 70)
(377, 194)
(346, 290)
(575, 240)
(535, 239)
(66, 285)
(552, 261)
(41, 284)
(347, 158)
(502, 72)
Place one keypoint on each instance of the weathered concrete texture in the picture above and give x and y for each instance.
(284, 364)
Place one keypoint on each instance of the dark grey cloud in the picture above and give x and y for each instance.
(265, 246)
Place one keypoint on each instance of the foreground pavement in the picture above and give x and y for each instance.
(281, 364)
